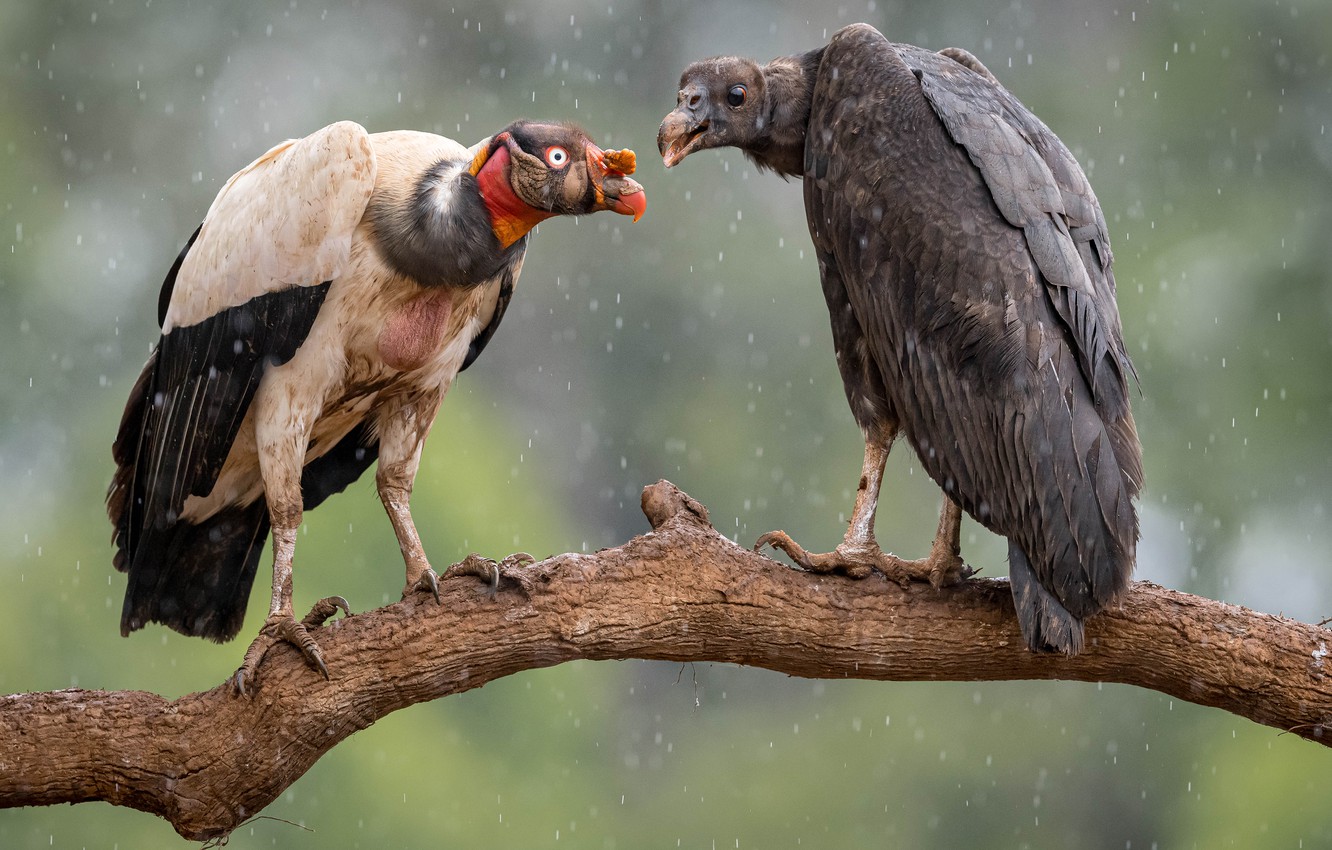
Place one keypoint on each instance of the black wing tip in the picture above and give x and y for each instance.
(196, 578)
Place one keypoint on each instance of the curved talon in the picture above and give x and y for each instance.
(767, 540)
(782, 541)
(299, 636)
(316, 659)
(284, 628)
(427, 583)
(324, 609)
(254, 654)
(481, 567)
(941, 568)
(432, 582)
(487, 570)
(953, 571)
(849, 562)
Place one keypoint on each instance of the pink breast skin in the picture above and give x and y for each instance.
(415, 330)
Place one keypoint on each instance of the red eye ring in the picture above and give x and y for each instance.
(556, 156)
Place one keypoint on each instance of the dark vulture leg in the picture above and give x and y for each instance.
(859, 553)
(944, 564)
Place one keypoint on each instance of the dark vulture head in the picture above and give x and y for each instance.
(531, 171)
(728, 101)
(722, 102)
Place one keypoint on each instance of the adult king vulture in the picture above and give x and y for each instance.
(311, 327)
(966, 267)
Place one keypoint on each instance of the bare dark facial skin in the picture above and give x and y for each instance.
(720, 103)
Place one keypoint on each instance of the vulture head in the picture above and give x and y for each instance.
(457, 221)
(722, 102)
(530, 171)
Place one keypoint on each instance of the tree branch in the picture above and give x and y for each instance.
(682, 592)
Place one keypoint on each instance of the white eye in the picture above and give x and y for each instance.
(557, 157)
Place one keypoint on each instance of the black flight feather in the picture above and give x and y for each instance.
(187, 408)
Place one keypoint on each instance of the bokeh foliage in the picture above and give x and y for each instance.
(693, 346)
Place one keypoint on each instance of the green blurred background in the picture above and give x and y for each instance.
(693, 346)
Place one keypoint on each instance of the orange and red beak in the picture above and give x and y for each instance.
(615, 191)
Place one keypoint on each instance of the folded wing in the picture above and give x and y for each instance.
(244, 293)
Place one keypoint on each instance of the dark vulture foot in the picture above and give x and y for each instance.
(427, 583)
(283, 628)
(486, 569)
(940, 569)
(841, 560)
(858, 560)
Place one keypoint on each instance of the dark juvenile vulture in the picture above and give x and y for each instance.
(310, 327)
(966, 267)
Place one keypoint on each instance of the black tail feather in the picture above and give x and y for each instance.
(196, 579)
(1047, 626)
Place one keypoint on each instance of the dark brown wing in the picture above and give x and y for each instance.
(990, 367)
(1039, 187)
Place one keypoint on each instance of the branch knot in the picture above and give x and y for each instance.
(663, 501)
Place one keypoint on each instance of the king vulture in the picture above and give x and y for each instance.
(966, 267)
(311, 327)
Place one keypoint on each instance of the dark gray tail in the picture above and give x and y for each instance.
(1047, 626)
(1073, 555)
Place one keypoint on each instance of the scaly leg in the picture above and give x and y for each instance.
(859, 553)
(281, 625)
(403, 426)
(944, 565)
(281, 458)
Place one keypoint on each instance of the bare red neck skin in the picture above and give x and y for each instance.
(510, 217)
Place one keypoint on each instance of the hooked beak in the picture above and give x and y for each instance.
(614, 189)
(680, 135)
(686, 129)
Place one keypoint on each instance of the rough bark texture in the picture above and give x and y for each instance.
(682, 592)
